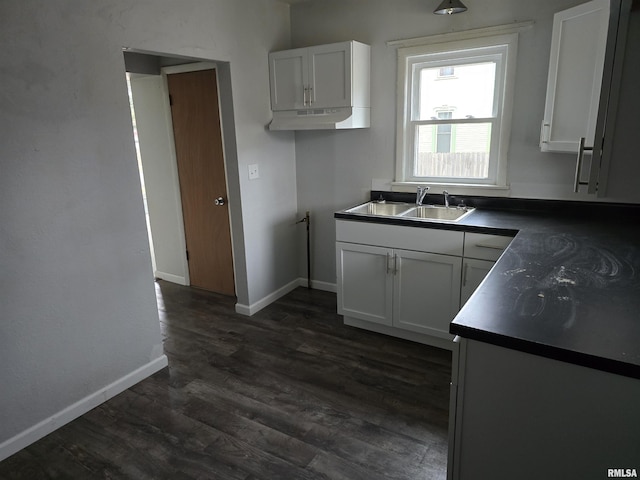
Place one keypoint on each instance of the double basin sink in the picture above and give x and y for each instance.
(407, 210)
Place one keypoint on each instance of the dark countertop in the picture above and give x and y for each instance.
(567, 287)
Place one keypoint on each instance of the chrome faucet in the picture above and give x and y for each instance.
(446, 198)
(421, 192)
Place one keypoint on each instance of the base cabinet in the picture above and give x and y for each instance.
(366, 287)
(518, 415)
(409, 281)
(473, 272)
(411, 290)
(426, 294)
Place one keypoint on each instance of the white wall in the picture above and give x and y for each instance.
(335, 169)
(76, 288)
(160, 177)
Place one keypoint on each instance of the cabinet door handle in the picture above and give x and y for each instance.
(388, 261)
(543, 132)
(487, 245)
(581, 150)
(465, 268)
(395, 264)
(310, 95)
(304, 96)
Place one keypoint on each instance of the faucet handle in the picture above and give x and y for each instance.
(421, 192)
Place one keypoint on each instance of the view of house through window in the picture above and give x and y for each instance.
(446, 147)
(453, 129)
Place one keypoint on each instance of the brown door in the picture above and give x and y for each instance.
(198, 139)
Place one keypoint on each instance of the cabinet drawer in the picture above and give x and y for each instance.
(447, 242)
(484, 246)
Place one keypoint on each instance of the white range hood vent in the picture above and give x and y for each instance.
(321, 119)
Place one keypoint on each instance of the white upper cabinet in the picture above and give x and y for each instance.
(323, 76)
(585, 68)
(575, 76)
(289, 77)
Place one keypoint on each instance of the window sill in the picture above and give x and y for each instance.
(454, 188)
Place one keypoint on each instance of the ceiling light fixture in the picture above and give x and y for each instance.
(449, 7)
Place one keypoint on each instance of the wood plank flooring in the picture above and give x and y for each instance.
(290, 393)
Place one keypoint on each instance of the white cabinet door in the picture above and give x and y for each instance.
(426, 292)
(330, 75)
(324, 76)
(288, 72)
(365, 282)
(575, 76)
(473, 272)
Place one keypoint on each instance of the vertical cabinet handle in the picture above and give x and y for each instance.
(464, 274)
(544, 133)
(581, 150)
(307, 96)
(393, 270)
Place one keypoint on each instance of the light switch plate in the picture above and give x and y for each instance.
(253, 171)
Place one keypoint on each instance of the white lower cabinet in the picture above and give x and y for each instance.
(409, 281)
(473, 272)
(397, 280)
(415, 291)
(481, 250)
(426, 293)
(365, 286)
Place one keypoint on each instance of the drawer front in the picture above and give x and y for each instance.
(485, 247)
(447, 242)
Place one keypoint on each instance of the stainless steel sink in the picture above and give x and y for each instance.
(388, 209)
(434, 212)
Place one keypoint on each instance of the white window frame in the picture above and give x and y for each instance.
(443, 51)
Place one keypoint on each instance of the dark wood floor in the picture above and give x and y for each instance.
(289, 393)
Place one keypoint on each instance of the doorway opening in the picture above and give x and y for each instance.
(181, 158)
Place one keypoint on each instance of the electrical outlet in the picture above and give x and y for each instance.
(253, 171)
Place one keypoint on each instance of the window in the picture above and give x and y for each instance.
(455, 110)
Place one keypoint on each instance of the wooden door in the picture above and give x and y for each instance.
(199, 153)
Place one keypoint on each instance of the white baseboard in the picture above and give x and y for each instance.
(57, 420)
(268, 300)
(281, 292)
(170, 277)
(318, 285)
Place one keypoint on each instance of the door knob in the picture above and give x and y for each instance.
(219, 201)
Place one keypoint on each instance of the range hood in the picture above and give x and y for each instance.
(321, 119)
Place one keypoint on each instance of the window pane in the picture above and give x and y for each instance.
(465, 90)
(467, 155)
(443, 134)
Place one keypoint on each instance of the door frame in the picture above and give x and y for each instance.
(194, 67)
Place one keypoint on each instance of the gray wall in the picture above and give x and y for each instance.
(335, 169)
(76, 286)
